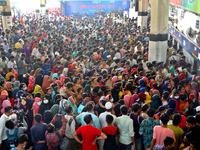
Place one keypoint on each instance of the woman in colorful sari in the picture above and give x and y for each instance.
(31, 84)
(72, 102)
(38, 89)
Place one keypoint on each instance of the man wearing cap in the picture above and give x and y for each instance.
(109, 60)
(102, 120)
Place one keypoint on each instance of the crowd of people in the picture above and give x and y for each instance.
(72, 83)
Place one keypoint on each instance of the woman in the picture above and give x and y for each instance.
(31, 84)
(87, 88)
(115, 93)
(55, 92)
(134, 99)
(46, 105)
(72, 102)
(46, 83)
(54, 77)
(166, 87)
(38, 89)
(12, 78)
(4, 104)
(128, 89)
(55, 110)
(36, 72)
(16, 88)
(48, 116)
(127, 100)
(62, 80)
(193, 105)
(82, 105)
(37, 103)
(39, 80)
(41, 72)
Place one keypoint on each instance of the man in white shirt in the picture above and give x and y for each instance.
(12, 63)
(5, 46)
(103, 123)
(35, 50)
(3, 119)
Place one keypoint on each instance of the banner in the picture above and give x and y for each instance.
(79, 8)
(191, 48)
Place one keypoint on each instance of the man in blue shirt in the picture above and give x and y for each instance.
(105, 53)
(90, 109)
(38, 134)
(16, 38)
(46, 66)
(168, 144)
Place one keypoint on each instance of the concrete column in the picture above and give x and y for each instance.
(6, 16)
(142, 13)
(42, 7)
(158, 34)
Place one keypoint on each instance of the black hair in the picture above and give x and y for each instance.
(182, 97)
(68, 108)
(38, 118)
(109, 118)
(176, 119)
(168, 141)
(124, 109)
(170, 112)
(23, 138)
(145, 107)
(88, 118)
(7, 109)
(10, 124)
(164, 118)
(38, 94)
(89, 106)
(50, 128)
(165, 95)
(196, 144)
(151, 112)
(136, 107)
(197, 117)
(191, 120)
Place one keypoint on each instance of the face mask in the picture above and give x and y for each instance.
(24, 146)
(135, 92)
(25, 88)
(123, 80)
(176, 97)
(47, 50)
(46, 101)
(39, 103)
(75, 67)
(21, 97)
(112, 100)
(162, 70)
(176, 75)
(88, 60)
(14, 79)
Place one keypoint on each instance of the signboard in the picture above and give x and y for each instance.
(191, 48)
(79, 8)
(3, 3)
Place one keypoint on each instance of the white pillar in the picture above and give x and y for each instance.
(158, 34)
(142, 13)
(6, 16)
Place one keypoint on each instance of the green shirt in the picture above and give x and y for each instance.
(36, 66)
(171, 69)
(178, 132)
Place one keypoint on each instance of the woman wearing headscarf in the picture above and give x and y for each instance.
(193, 105)
(127, 100)
(55, 110)
(58, 83)
(46, 105)
(4, 104)
(37, 103)
(42, 72)
(87, 88)
(21, 78)
(172, 104)
(181, 76)
(63, 104)
(70, 68)
(39, 80)
(62, 80)
(31, 84)
(115, 93)
(54, 77)
(194, 88)
(128, 89)
(38, 89)
(167, 87)
(46, 83)
(55, 92)
(82, 105)
(114, 79)
(72, 102)
(65, 71)
(16, 88)
(134, 99)
(151, 83)
(156, 102)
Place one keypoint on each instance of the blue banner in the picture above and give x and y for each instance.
(79, 8)
(185, 43)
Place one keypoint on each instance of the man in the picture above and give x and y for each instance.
(21, 65)
(168, 144)
(3, 119)
(69, 141)
(172, 68)
(90, 109)
(38, 134)
(58, 68)
(104, 65)
(178, 132)
(35, 52)
(22, 142)
(4, 65)
(5, 46)
(132, 60)
(160, 132)
(52, 135)
(89, 134)
(125, 125)
(147, 126)
(12, 63)
(102, 119)
(27, 51)
(37, 64)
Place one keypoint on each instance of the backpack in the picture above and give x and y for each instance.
(12, 140)
(77, 124)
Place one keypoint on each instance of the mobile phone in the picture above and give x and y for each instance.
(59, 115)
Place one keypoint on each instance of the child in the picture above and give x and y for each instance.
(161, 110)
(112, 132)
(145, 107)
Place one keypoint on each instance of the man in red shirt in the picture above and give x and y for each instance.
(89, 134)
(58, 68)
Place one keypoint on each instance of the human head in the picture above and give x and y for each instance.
(176, 119)
(124, 109)
(68, 109)
(190, 122)
(10, 124)
(164, 118)
(198, 118)
(38, 118)
(168, 142)
(136, 107)
(23, 140)
(88, 119)
(151, 112)
(8, 110)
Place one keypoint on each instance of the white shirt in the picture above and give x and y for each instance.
(102, 119)
(5, 47)
(3, 120)
(35, 52)
(70, 129)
